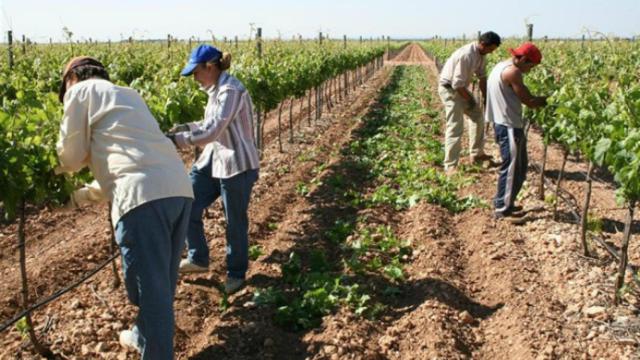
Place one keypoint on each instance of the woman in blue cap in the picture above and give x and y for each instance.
(228, 166)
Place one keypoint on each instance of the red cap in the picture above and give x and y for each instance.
(529, 51)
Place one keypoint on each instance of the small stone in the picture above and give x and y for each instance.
(268, 342)
(572, 309)
(75, 304)
(627, 341)
(622, 320)
(548, 350)
(249, 305)
(106, 316)
(386, 342)
(594, 311)
(329, 349)
(101, 347)
(84, 349)
(466, 318)
(103, 332)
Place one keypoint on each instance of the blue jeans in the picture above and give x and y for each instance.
(151, 240)
(236, 193)
(513, 170)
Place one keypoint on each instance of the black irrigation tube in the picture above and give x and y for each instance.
(58, 294)
(600, 241)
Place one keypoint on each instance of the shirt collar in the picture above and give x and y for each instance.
(474, 48)
(221, 80)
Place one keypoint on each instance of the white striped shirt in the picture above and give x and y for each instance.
(226, 131)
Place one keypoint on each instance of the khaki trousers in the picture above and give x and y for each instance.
(455, 108)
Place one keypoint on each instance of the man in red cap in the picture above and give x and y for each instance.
(506, 92)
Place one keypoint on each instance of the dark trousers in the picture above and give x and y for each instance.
(513, 170)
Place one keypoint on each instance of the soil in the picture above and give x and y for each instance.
(476, 287)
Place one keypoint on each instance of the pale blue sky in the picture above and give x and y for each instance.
(113, 19)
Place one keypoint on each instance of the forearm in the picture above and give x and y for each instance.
(72, 155)
(536, 101)
(211, 128)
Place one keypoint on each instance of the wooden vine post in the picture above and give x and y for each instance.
(542, 169)
(280, 126)
(291, 119)
(318, 89)
(624, 256)
(10, 48)
(585, 211)
(40, 348)
(259, 119)
(113, 248)
(560, 175)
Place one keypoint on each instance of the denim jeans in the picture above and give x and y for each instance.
(513, 170)
(235, 193)
(151, 240)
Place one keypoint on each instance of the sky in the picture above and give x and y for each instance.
(40, 20)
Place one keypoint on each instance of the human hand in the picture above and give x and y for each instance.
(542, 101)
(179, 128)
(471, 103)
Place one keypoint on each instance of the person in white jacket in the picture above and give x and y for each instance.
(228, 166)
(109, 129)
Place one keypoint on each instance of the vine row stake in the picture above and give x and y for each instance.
(10, 48)
(291, 119)
(40, 348)
(259, 121)
(555, 203)
(585, 211)
(112, 247)
(280, 126)
(544, 164)
(624, 256)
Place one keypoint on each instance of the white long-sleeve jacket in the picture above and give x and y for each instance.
(110, 129)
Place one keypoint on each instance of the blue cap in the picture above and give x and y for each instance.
(199, 55)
